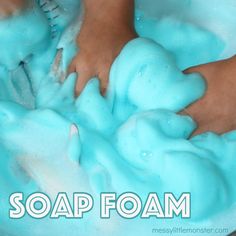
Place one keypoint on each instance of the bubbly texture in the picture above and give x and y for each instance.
(133, 139)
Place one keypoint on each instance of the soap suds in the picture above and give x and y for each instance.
(131, 140)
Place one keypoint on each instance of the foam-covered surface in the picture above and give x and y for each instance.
(131, 140)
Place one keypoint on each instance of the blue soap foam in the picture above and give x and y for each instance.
(130, 140)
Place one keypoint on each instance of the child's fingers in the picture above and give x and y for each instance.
(83, 78)
(72, 67)
(84, 70)
(85, 74)
(103, 77)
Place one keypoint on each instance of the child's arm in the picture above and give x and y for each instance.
(107, 27)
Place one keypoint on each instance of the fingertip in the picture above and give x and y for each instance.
(78, 92)
(103, 91)
(79, 87)
(103, 86)
(71, 68)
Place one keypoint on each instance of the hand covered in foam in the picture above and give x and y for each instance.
(130, 140)
(146, 77)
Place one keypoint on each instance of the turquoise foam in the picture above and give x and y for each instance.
(131, 140)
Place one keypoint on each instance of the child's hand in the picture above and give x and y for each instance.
(9, 7)
(99, 46)
(107, 27)
(216, 111)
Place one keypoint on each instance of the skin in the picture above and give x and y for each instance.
(216, 110)
(108, 26)
(10, 7)
(105, 34)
